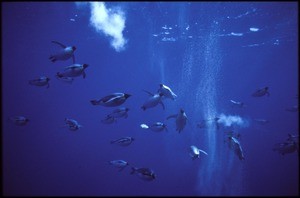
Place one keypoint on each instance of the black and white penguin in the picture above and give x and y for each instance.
(41, 81)
(73, 71)
(111, 100)
(181, 119)
(63, 54)
(152, 101)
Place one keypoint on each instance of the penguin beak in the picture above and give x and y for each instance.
(74, 48)
(85, 66)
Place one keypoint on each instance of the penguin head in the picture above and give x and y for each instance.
(161, 85)
(47, 78)
(126, 109)
(73, 48)
(85, 65)
(26, 120)
(181, 110)
(127, 95)
(266, 88)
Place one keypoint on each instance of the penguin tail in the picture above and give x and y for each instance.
(94, 102)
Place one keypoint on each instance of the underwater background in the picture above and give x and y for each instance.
(208, 53)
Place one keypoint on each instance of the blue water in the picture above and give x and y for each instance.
(208, 53)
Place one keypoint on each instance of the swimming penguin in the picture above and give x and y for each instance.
(157, 127)
(146, 174)
(124, 141)
(292, 138)
(181, 119)
(73, 71)
(261, 92)
(286, 147)
(109, 120)
(120, 112)
(41, 81)
(19, 120)
(121, 164)
(294, 108)
(235, 145)
(261, 121)
(63, 54)
(166, 91)
(154, 100)
(65, 79)
(112, 100)
(237, 104)
(195, 152)
(72, 124)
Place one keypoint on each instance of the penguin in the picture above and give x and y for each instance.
(166, 91)
(294, 108)
(125, 141)
(181, 119)
(109, 120)
(154, 100)
(112, 100)
(120, 112)
(19, 120)
(237, 104)
(157, 127)
(73, 71)
(63, 54)
(72, 124)
(146, 174)
(235, 145)
(65, 79)
(41, 81)
(261, 92)
(261, 121)
(121, 164)
(195, 152)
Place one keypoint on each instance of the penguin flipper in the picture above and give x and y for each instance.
(172, 116)
(83, 74)
(151, 94)
(48, 85)
(58, 43)
(202, 151)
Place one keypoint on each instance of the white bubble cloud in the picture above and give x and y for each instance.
(231, 120)
(111, 22)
